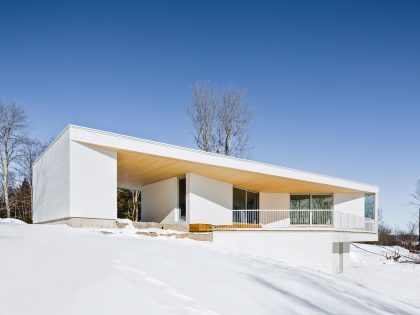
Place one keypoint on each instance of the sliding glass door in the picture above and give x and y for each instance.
(321, 203)
(245, 201)
(239, 199)
(300, 202)
(317, 203)
(252, 200)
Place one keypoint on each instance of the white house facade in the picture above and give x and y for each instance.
(260, 209)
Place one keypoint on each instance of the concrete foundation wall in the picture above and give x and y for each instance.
(84, 222)
(208, 200)
(159, 201)
(340, 257)
(316, 250)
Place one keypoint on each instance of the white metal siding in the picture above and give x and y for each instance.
(93, 182)
(51, 182)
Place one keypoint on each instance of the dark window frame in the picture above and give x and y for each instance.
(182, 199)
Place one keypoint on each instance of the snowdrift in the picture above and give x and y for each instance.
(55, 269)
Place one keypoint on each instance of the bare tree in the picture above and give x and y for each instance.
(385, 233)
(13, 124)
(411, 235)
(202, 112)
(135, 204)
(416, 202)
(233, 118)
(221, 122)
(30, 150)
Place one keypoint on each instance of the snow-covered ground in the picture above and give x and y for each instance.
(55, 269)
(395, 280)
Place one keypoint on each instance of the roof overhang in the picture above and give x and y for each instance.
(136, 169)
(141, 162)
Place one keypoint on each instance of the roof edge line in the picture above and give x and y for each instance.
(108, 133)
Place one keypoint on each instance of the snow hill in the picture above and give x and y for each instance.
(55, 269)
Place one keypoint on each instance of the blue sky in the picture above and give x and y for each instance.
(335, 84)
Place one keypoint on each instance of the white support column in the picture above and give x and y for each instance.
(208, 200)
(337, 258)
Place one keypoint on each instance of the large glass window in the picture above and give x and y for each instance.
(370, 206)
(245, 200)
(321, 202)
(298, 202)
(252, 201)
(239, 199)
(306, 202)
(311, 202)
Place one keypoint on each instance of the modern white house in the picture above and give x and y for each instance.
(264, 210)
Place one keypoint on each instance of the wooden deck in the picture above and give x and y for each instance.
(201, 227)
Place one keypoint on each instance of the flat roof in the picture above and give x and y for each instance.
(141, 162)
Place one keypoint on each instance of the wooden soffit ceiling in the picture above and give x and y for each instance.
(137, 169)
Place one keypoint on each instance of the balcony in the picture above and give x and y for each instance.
(298, 219)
